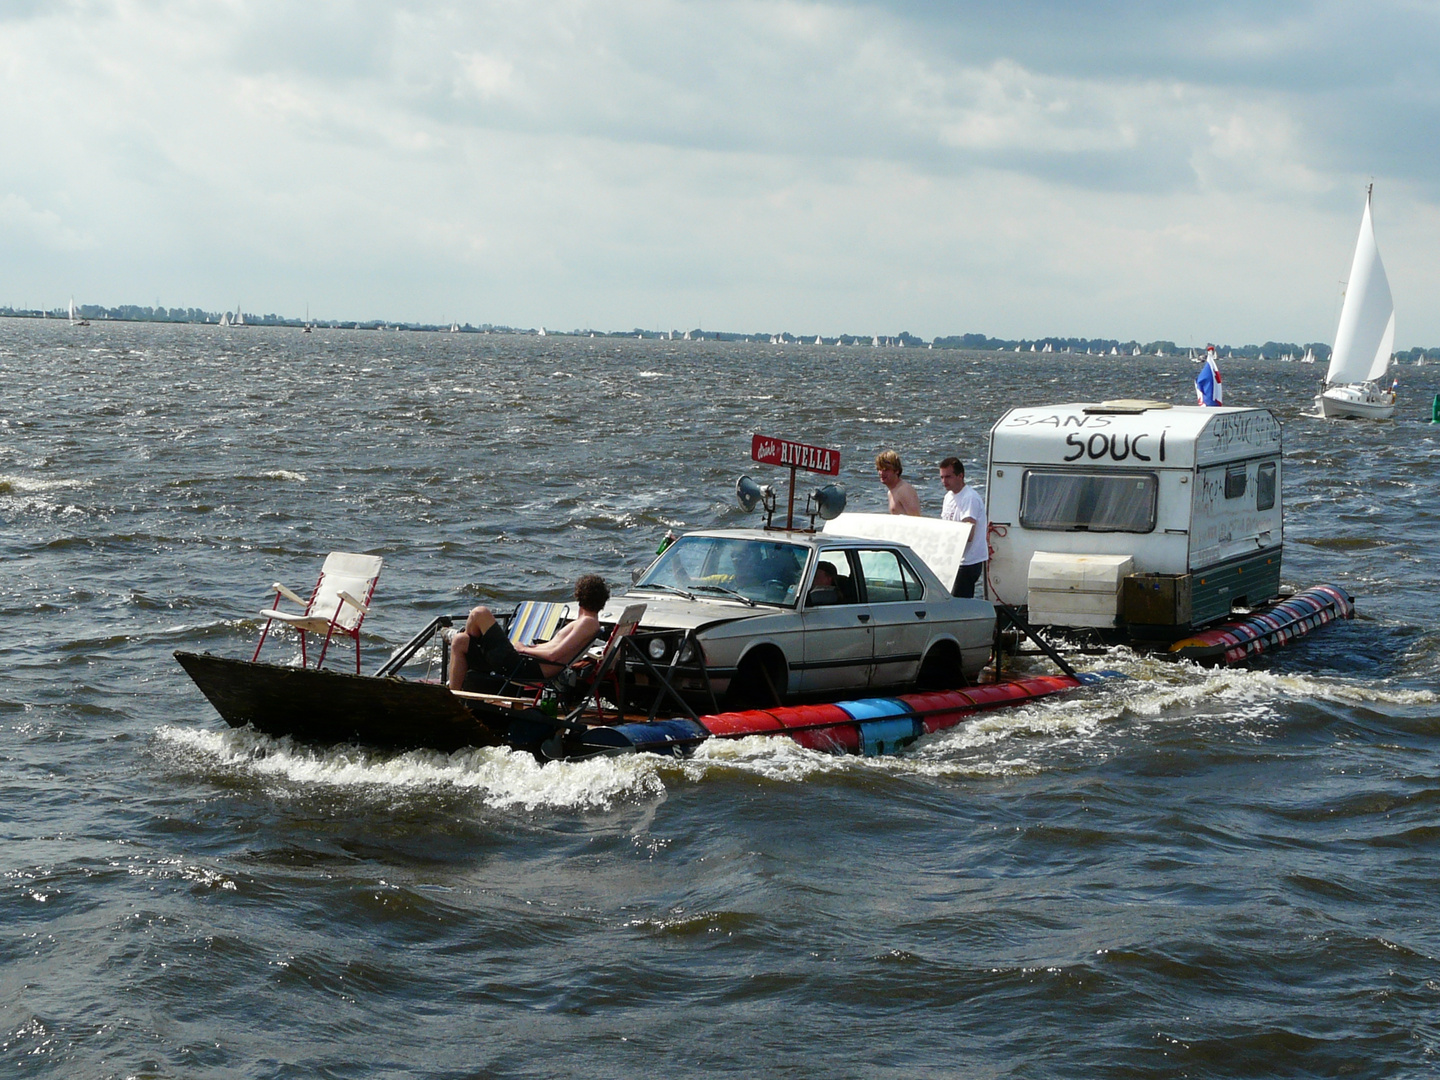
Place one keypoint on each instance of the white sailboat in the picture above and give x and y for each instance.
(1364, 338)
(75, 319)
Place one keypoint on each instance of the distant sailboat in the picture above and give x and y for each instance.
(239, 319)
(224, 319)
(1309, 357)
(1364, 339)
(1137, 351)
(542, 332)
(75, 319)
(455, 328)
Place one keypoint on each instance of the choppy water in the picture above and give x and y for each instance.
(1199, 873)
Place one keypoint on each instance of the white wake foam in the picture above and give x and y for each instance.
(502, 778)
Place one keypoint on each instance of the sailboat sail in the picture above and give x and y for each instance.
(1366, 334)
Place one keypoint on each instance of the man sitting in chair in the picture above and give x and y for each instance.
(483, 651)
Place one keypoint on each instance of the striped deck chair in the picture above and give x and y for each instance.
(534, 620)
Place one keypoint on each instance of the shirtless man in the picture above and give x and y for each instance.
(485, 643)
(903, 499)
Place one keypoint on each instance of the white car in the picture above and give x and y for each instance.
(768, 635)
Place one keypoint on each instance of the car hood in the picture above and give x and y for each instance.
(677, 613)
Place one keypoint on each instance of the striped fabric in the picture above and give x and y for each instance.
(535, 620)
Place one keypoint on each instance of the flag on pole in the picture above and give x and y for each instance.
(1208, 390)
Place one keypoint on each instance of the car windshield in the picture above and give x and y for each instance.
(758, 570)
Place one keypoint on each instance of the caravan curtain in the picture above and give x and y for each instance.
(1094, 502)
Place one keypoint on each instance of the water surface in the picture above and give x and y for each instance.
(1205, 873)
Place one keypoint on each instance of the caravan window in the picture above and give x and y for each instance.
(1265, 486)
(1086, 501)
(1235, 481)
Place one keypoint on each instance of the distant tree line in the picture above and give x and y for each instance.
(1270, 350)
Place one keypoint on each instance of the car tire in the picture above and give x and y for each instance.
(758, 683)
(941, 669)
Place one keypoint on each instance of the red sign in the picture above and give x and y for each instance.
(772, 451)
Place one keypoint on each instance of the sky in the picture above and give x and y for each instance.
(1132, 170)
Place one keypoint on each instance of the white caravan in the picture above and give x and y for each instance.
(1134, 515)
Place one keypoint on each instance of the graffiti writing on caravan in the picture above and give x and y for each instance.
(1099, 445)
(1055, 420)
(1251, 429)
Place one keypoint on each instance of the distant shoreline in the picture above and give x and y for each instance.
(1270, 350)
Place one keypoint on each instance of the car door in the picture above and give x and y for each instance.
(839, 642)
(896, 599)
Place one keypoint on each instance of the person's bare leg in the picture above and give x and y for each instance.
(479, 620)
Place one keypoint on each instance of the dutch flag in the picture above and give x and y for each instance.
(1208, 390)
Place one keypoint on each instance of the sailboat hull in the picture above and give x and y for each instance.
(1356, 401)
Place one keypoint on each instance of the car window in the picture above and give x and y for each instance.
(914, 590)
(766, 571)
(888, 577)
(845, 590)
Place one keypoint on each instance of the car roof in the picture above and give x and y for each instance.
(796, 536)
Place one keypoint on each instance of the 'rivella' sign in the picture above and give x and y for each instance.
(772, 451)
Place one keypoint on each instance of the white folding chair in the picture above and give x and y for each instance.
(338, 603)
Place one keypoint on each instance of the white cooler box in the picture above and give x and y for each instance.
(1076, 590)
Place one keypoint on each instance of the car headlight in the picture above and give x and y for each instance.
(688, 652)
(657, 649)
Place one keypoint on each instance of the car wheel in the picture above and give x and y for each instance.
(941, 669)
(759, 682)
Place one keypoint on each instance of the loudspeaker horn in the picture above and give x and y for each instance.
(829, 501)
(749, 493)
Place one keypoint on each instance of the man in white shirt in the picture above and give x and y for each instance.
(963, 503)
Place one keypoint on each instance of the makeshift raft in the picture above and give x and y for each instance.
(870, 726)
(1278, 624)
(337, 707)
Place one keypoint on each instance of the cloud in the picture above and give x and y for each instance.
(1032, 167)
